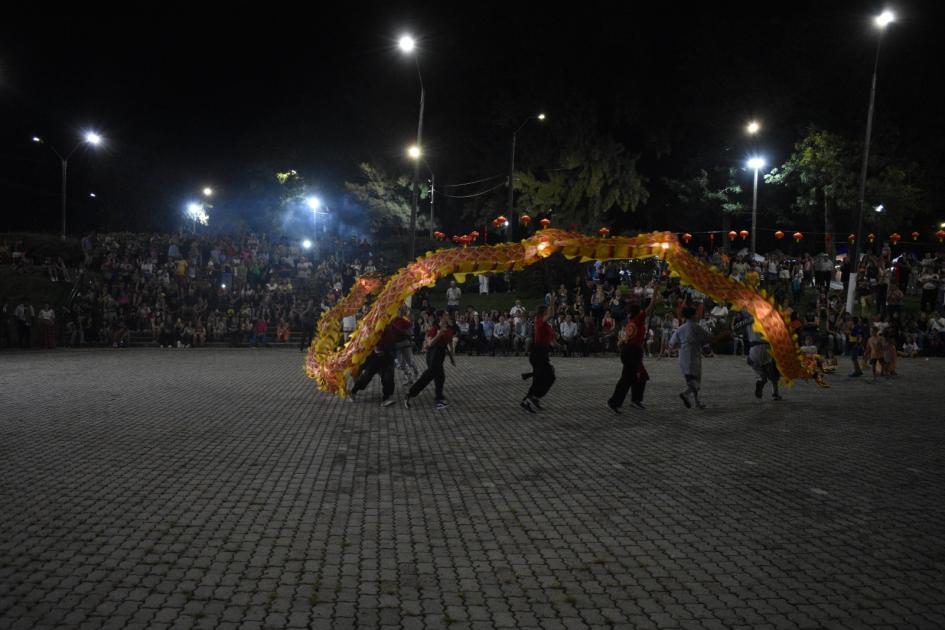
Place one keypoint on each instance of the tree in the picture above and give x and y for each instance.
(823, 171)
(387, 199)
(595, 175)
(709, 193)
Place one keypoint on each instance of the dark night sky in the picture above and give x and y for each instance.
(186, 99)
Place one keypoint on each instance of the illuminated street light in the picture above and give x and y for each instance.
(407, 43)
(756, 163)
(313, 203)
(92, 195)
(879, 208)
(511, 199)
(207, 192)
(306, 243)
(89, 137)
(882, 21)
(753, 127)
(417, 155)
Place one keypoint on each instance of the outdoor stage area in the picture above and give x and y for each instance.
(217, 488)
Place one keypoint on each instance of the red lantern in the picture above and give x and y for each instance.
(525, 219)
(894, 238)
(474, 235)
(851, 237)
(871, 237)
(743, 234)
(779, 235)
(940, 235)
(828, 237)
(687, 237)
(711, 237)
(915, 236)
(501, 219)
(545, 223)
(798, 237)
(603, 232)
(732, 235)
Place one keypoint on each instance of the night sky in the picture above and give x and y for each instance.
(186, 100)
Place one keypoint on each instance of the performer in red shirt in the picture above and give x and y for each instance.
(634, 375)
(382, 361)
(542, 371)
(439, 345)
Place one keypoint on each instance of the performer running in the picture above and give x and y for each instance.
(542, 374)
(760, 359)
(634, 376)
(438, 344)
(382, 361)
(689, 338)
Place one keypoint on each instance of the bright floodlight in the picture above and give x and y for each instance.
(756, 163)
(883, 19)
(414, 152)
(193, 209)
(306, 243)
(313, 202)
(753, 127)
(93, 138)
(207, 192)
(879, 208)
(37, 139)
(406, 43)
(541, 116)
(92, 195)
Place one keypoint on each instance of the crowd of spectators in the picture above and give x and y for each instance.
(185, 290)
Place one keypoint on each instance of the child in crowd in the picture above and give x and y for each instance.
(889, 355)
(910, 348)
(876, 352)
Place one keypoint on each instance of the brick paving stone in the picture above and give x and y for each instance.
(219, 489)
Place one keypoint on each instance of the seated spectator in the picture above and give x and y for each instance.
(569, 335)
(487, 328)
(120, 336)
(503, 335)
(608, 331)
(588, 335)
(282, 331)
(520, 337)
(200, 334)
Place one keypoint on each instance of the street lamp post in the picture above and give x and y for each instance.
(881, 21)
(511, 200)
(89, 138)
(408, 45)
(755, 164)
(315, 203)
(417, 155)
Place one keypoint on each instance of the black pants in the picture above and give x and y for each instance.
(377, 363)
(630, 379)
(543, 375)
(24, 333)
(307, 333)
(435, 373)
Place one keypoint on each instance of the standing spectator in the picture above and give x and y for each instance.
(47, 326)
(259, 332)
(453, 294)
(24, 314)
(309, 316)
(569, 334)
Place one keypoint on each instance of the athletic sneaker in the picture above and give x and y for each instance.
(776, 397)
(637, 404)
(759, 388)
(388, 402)
(614, 407)
(685, 400)
(527, 405)
(442, 404)
(407, 403)
(536, 403)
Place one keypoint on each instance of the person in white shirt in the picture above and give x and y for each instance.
(47, 326)
(569, 334)
(518, 310)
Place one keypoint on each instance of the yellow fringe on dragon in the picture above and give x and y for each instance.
(329, 363)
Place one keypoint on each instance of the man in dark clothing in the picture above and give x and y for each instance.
(308, 326)
(439, 345)
(382, 361)
(633, 378)
(542, 374)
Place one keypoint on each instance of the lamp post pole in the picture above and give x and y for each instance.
(881, 21)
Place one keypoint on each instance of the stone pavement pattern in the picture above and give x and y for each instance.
(218, 489)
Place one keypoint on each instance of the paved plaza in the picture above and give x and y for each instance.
(218, 488)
